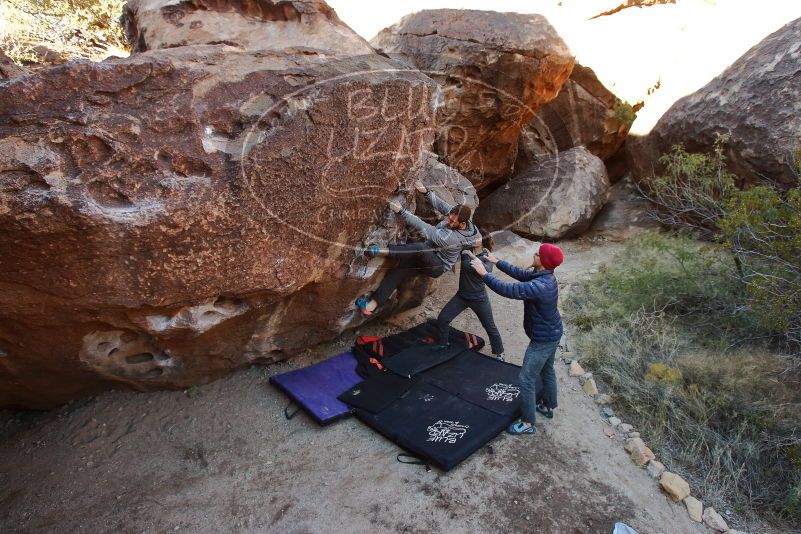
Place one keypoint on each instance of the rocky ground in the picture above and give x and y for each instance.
(222, 457)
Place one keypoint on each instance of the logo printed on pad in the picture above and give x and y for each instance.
(502, 392)
(446, 431)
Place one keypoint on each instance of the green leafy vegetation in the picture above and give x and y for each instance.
(52, 31)
(624, 112)
(700, 340)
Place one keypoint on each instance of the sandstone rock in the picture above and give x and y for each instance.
(625, 427)
(182, 212)
(613, 421)
(575, 369)
(447, 183)
(642, 455)
(496, 71)
(755, 101)
(583, 113)
(603, 398)
(283, 26)
(590, 388)
(713, 520)
(655, 468)
(518, 251)
(556, 198)
(626, 214)
(9, 69)
(675, 486)
(695, 508)
(633, 443)
(633, 435)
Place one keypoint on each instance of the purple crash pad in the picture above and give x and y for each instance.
(315, 388)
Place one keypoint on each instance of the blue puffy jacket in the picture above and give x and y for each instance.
(539, 292)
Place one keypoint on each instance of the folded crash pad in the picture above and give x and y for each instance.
(418, 358)
(436, 425)
(377, 392)
(315, 388)
(482, 380)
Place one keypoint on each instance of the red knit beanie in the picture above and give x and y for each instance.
(551, 256)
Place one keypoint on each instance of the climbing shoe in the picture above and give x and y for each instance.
(547, 412)
(518, 427)
(499, 357)
(361, 305)
(371, 251)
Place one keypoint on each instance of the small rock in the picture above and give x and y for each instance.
(586, 376)
(607, 412)
(614, 421)
(603, 398)
(634, 434)
(625, 427)
(633, 443)
(713, 520)
(642, 455)
(675, 486)
(695, 508)
(609, 431)
(655, 468)
(575, 369)
(732, 531)
(590, 388)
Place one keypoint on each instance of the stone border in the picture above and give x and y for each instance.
(670, 483)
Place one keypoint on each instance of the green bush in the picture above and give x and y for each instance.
(663, 326)
(624, 112)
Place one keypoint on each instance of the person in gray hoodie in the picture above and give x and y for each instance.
(436, 255)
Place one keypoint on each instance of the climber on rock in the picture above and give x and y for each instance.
(436, 255)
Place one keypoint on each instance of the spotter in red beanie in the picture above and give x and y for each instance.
(551, 256)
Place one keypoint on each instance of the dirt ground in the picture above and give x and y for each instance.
(223, 458)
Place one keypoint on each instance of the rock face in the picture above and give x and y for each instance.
(246, 24)
(584, 113)
(496, 71)
(447, 183)
(756, 101)
(9, 69)
(556, 198)
(189, 210)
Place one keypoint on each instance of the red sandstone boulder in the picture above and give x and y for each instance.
(584, 113)
(496, 70)
(755, 102)
(193, 209)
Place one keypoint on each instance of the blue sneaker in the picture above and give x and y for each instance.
(519, 428)
(361, 305)
(372, 250)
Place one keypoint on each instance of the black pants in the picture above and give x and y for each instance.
(415, 259)
(481, 308)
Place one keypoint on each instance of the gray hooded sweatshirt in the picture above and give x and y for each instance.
(447, 243)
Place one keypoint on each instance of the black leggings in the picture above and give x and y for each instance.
(481, 308)
(415, 259)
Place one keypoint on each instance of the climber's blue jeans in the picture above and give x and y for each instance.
(538, 362)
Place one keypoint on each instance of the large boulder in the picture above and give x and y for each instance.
(246, 24)
(190, 210)
(553, 199)
(756, 102)
(496, 71)
(585, 113)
